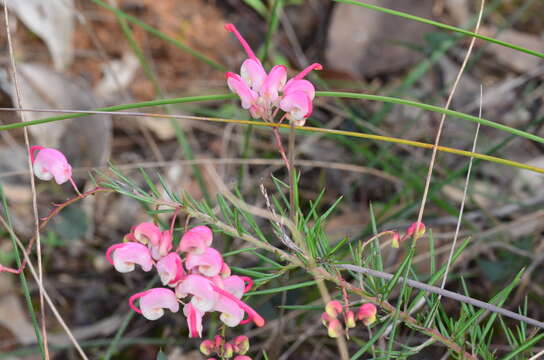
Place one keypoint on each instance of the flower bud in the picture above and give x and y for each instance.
(350, 319)
(334, 328)
(367, 313)
(416, 230)
(228, 351)
(242, 357)
(207, 347)
(333, 308)
(395, 240)
(241, 344)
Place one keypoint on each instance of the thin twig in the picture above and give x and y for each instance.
(42, 290)
(32, 180)
(443, 118)
(446, 293)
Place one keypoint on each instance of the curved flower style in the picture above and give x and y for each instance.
(194, 320)
(170, 269)
(50, 163)
(261, 93)
(196, 240)
(124, 256)
(209, 263)
(153, 301)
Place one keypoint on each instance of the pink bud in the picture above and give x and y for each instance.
(228, 351)
(395, 240)
(123, 257)
(417, 230)
(367, 313)
(333, 308)
(350, 319)
(153, 301)
(241, 344)
(147, 233)
(196, 240)
(204, 296)
(194, 320)
(225, 271)
(209, 263)
(334, 328)
(50, 163)
(207, 347)
(170, 269)
(242, 357)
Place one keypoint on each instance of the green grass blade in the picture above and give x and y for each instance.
(283, 288)
(443, 26)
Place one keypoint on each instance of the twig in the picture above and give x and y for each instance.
(32, 180)
(446, 293)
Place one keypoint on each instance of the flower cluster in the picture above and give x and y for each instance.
(263, 94)
(415, 230)
(226, 350)
(333, 309)
(201, 276)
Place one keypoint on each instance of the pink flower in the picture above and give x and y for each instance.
(147, 233)
(395, 240)
(367, 313)
(196, 240)
(231, 313)
(194, 320)
(333, 308)
(204, 296)
(126, 255)
(252, 314)
(417, 230)
(242, 357)
(235, 285)
(241, 344)
(50, 163)
(209, 263)
(165, 244)
(334, 327)
(153, 301)
(261, 93)
(170, 269)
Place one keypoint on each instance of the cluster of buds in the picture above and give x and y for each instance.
(416, 230)
(333, 309)
(237, 348)
(264, 94)
(201, 275)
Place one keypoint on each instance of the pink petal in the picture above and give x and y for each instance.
(274, 83)
(253, 315)
(170, 269)
(125, 255)
(231, 313)
(147, 232)
(194, 320)
(253, 74)
(231, 28)
(165, 244)
(234, 285)
(209, 263)
(204, 297)
(196, 240)
(153, 301)
(225, 271)
(298, 107)
(299, 85)
(50, 163)
(238, 86)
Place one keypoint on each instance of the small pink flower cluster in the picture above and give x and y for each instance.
(202, 275)
(263, 93)
(366, 313)
(226, 350)
(415, 230)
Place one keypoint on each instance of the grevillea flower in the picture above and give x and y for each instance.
(170, 269)
(124, 256)
(204, 296)
(147, 233)
(194, 320)
(153, 301)
(261, 93)
(350, 319)
(334, 327)
(196, 240)
(395, 239)
(231, 313)
(367, 313)
(165, 244)
(242, 357)
(50, 163)
(208, 263)
(241, 344)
